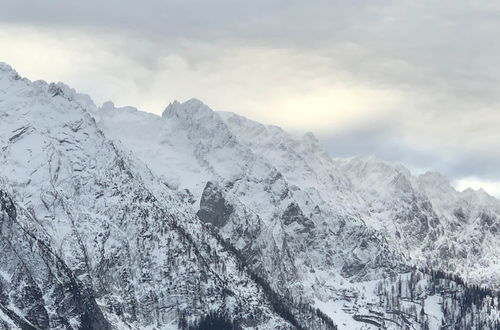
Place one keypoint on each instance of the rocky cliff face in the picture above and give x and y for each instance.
(37, 289)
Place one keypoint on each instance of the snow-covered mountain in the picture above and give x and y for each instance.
(92, 239)
(117, 218)
(283, 230)
(429, 221)
(423, 217)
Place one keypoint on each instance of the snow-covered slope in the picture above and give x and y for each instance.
(424, 218)
(116, 218)
(295, 240)
(297, 215)
(472, 227)
(92, 239)
(303, 220)
(427, 219)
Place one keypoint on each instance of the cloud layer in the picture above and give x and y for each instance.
(410, 81)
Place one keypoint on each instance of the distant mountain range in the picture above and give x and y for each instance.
(114, 218)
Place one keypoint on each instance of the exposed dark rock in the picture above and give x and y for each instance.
(39, 279)
(293, 214)
(214, 208)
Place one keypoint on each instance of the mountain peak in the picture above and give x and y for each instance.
(109, 107)
(435, 178)
(479, 196)
(171, 108)
(190, 108)
(195, 103)
(4, 67)
(7, 71)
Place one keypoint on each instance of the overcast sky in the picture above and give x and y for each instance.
(416, 82)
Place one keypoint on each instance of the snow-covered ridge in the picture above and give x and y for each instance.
(423, 218)
(92, 239)
(346, 183)
(120, 195)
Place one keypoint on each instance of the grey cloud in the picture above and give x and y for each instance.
(447, 47)
(270, 20)
(440, 55)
